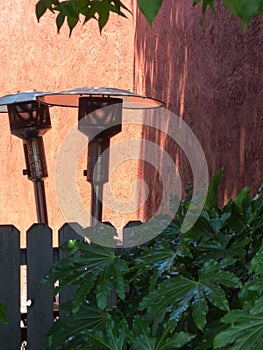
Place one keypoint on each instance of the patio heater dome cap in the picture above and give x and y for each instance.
(70, 98)
(25, 96)
(3, 109)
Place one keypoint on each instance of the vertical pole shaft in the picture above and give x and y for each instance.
(97, 175)
(36, 170)
(96, 203)
(40, 199)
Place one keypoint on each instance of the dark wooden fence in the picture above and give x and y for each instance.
(38, 258)
(31, 326)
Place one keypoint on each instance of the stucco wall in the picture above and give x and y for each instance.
(213, 79)
(34, 56)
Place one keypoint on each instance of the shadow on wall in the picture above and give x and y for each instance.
(213, 80)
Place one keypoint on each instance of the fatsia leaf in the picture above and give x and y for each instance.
(113, 276)
(144, 339)
(82, 269)
(165, 297)
(176, 341)
(199, 308)
(256, 264)
(72, 329)
(103, 288)
(114, 337)
(205, 340)
(244, 333)
(258, 307)
(150, 8)
(241, 197)
(211, 277)
(3, 317)
(176, 295)
(212, 194)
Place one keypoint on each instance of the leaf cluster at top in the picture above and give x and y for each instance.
(100, 10)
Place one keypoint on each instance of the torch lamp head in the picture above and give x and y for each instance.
(28, 119)
(100, 116)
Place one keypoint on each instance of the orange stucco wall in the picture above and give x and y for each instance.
(211, 79)
(34, 56)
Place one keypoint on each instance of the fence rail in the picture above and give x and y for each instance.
(38, 258)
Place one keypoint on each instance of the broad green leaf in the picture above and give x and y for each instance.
(178, 294)
(119, 268)
(103, 288)
(41, 8)
(260, 10)
(257, 262)
(244, 333)
(177, 341)
(72, 22)
(174, 203)
(258, 307)
(219, 222)
(60, 20)
(114, 337)
(241, 197)
(166, 341)
(144, 340)
(71, 330)
(212, 194)
(103, 19)
(212, 278)
(244, 9)
(112, 277)
(205, 340)
(250, 10)
(236, 7)
(150, 8)
(3, 317)
(195, 2)
(81, 269)
(199, 308)
(159, 258)
(80, 294)
(165, 297)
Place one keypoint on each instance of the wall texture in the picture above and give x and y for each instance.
(34, 56)
(213, 80)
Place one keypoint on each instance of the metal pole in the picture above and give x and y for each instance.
(96, 203)
(97, 175)
(36, 170)
(40, 199)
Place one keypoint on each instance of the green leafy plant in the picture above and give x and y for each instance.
(199, 290)
(3, 317)
(100, 10)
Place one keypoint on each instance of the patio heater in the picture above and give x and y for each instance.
(30, 120)
(100, 118)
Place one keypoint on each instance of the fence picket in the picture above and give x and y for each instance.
(10, 334)
(39, 261)
(66, 233)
